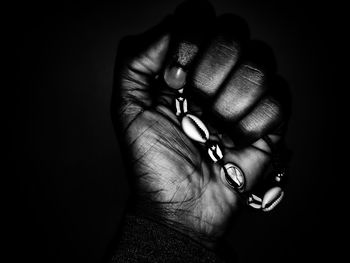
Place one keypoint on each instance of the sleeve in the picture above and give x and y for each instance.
(144, 240)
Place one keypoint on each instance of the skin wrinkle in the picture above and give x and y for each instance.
(139, 157)
(167, 113)
(153, 145)
(125, 130)
(160, 170)
(208, 214)
(142, 64)
(259, 75)
(152, 170)
(127, 108)
(230, 46)
(139, 76)
(135, 90)
(159, 182)
(184, 194)
(239, 95)
(256, 76)
(150, 61)
(149, 127)
(170, 144)
(199, 207)
(186, 197)
(265, 115)
(215, 65)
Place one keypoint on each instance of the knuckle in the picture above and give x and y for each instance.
(264, 118)
(227, 47)
(241, 92)
(215, 64)
(253, 74)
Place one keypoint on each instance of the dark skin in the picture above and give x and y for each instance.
(183, 187)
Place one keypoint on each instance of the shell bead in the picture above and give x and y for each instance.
(272, 198)
(194, 128)
(233, 176)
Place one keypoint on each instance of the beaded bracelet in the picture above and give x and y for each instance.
(195, 129)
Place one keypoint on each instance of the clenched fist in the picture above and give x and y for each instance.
(230, 84)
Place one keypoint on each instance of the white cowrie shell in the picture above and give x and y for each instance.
(194, 128)
(254, 201)
(272, 198)
(215, 152)
(236, 177)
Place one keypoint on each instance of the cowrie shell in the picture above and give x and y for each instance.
(194, 128)
(233, 176)
(272, 198)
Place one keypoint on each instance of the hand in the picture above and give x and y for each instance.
(231, 87)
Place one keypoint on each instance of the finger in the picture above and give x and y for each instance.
(207, 68)
(251, 161)
(267, 143)
(269, 116)
(242, 168)
(245, 167)
(266, 116)
(246, 84)
(188, 36)
(240, 93)
(220, 56)
(139, 59)
(256, 135)
(250, 169)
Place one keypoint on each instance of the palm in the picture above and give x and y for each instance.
(168, 163)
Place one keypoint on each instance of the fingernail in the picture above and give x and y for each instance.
(272, 198)
(234, 176)
(175, 77)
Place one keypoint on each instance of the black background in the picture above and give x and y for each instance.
(70, 186)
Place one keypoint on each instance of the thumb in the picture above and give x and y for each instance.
(139, 59)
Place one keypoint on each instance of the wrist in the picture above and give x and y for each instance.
(157, 240)
(178, 220)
